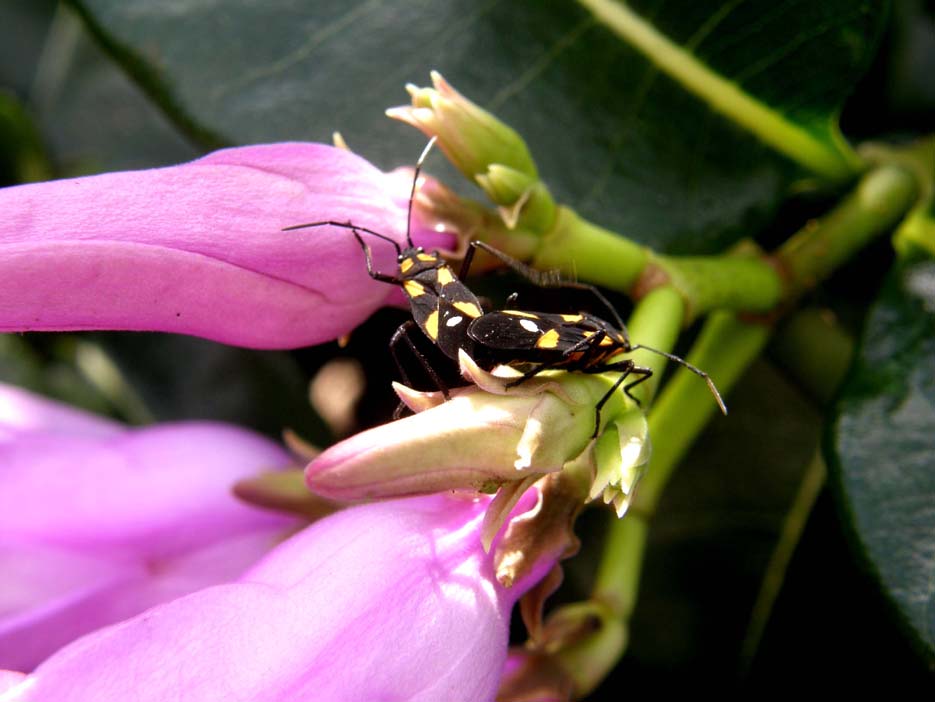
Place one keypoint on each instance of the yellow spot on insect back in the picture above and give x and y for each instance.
(571, 317)
(549, 340)
(445, 275)
(518, 313)
(428, 258)
(469, 308)
(431, 325)
(405, 265)
(413, 288)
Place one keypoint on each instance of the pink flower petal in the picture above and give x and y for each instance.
(9, 679)
(51, 596)
(22, 411)
(389, 601)
(98, 525)
(151, 492)
(198, 248)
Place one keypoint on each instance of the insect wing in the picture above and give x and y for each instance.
(514, 330)
(457, 308)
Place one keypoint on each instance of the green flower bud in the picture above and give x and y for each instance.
(471, 137)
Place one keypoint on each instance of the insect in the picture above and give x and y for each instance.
(451, 317)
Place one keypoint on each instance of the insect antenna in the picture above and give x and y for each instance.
(689, 366)
(412, 192)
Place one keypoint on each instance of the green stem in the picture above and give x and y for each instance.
(878, 202)
(834, 161)
(743, 282)
(724, 349)
(722, 282)
(813, 348)
(584, 250)
(618, 576)
(655, 322)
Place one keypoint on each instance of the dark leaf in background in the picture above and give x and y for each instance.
(91, 116)
(896, 98)
(883, 446)
(712, 537)
(182, 377)
(616, 139)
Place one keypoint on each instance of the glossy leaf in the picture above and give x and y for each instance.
(617, 136)
(882, 443)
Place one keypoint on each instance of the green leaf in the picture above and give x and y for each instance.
(882, 443)
(633, 142)
(90, 115)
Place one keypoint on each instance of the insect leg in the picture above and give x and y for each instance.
(467, 260)
(626, 368)
(645, 374)
(343, 225)
(376, 275)
(402, 334)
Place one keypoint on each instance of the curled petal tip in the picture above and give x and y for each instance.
(417, 400)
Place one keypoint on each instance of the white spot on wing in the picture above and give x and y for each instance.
(529, 325)
(454, 321)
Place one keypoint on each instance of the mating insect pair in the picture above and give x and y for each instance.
(452, 318)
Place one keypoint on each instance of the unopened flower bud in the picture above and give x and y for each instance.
(488, 435)
(471, 137)
(474, 441)
(485, 150)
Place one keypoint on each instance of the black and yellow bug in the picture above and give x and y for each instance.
(451, 317)
(533, 342)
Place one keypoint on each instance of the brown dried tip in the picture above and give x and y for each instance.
(547, 529)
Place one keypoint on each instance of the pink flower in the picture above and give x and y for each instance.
(99, 522)
(9, 678)
(199, 248)
(388, 601)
